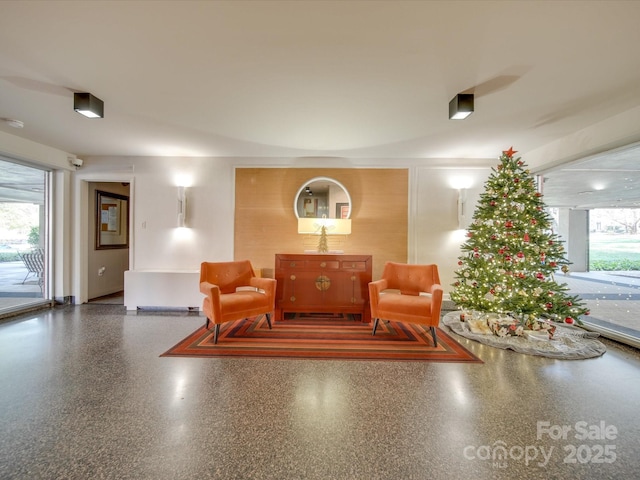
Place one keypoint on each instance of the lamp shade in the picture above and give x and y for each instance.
(88, 105)
(333, 226)
(461, 106)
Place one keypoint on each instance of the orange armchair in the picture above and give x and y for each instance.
(413, 295)
(233, 292)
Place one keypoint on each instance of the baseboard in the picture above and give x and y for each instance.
(67, 300)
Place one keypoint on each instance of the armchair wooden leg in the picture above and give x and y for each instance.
(268, 315)
(206, 324)
(215, 333)
(375, 325)
(433, 335)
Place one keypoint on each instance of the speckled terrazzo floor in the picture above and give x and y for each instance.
(84, 395)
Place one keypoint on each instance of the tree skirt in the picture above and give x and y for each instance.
(569, 343)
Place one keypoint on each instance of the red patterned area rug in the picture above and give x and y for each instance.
(322, 336)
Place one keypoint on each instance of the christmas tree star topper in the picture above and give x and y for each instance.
(510, 153)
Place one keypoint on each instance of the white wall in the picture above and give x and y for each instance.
(157, 243)
(434, 222)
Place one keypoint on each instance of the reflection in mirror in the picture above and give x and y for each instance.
(112, 220)
(322, 197)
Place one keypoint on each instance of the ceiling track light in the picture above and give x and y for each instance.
(88, 105)
(461, 106)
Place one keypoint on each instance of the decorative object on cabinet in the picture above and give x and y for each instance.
(323, 283)
(233, 292)
(407, 293)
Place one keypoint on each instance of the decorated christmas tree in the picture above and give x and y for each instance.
(511, 253)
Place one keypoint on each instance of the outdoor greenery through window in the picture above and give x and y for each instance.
(614, 239)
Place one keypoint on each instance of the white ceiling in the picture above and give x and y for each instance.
(369, 79)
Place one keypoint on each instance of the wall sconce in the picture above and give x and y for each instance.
(324, 227)
(88, 105)
(461, 106)
(462, 202)
(182, 206)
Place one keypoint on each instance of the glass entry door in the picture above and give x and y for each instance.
(24, 233)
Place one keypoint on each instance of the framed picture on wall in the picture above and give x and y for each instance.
(342, 210)
(310, 206)
(112, 220)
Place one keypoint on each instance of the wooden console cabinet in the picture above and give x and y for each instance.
(323, 283)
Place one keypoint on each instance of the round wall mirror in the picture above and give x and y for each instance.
(322, 197)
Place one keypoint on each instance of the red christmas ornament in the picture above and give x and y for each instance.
(508, 224)
(459, 262)
(501, 251)
(508, 258)
(549, 305)
(539, 276)
(569, 304)
(569, 320)
(494, 237)
(492, 203)
(533, 221)
(553, 264)
(526, 237)
(520, 255)
(516, 180)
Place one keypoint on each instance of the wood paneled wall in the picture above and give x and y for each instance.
(265, 223)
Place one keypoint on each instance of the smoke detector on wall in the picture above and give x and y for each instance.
(76, 162)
